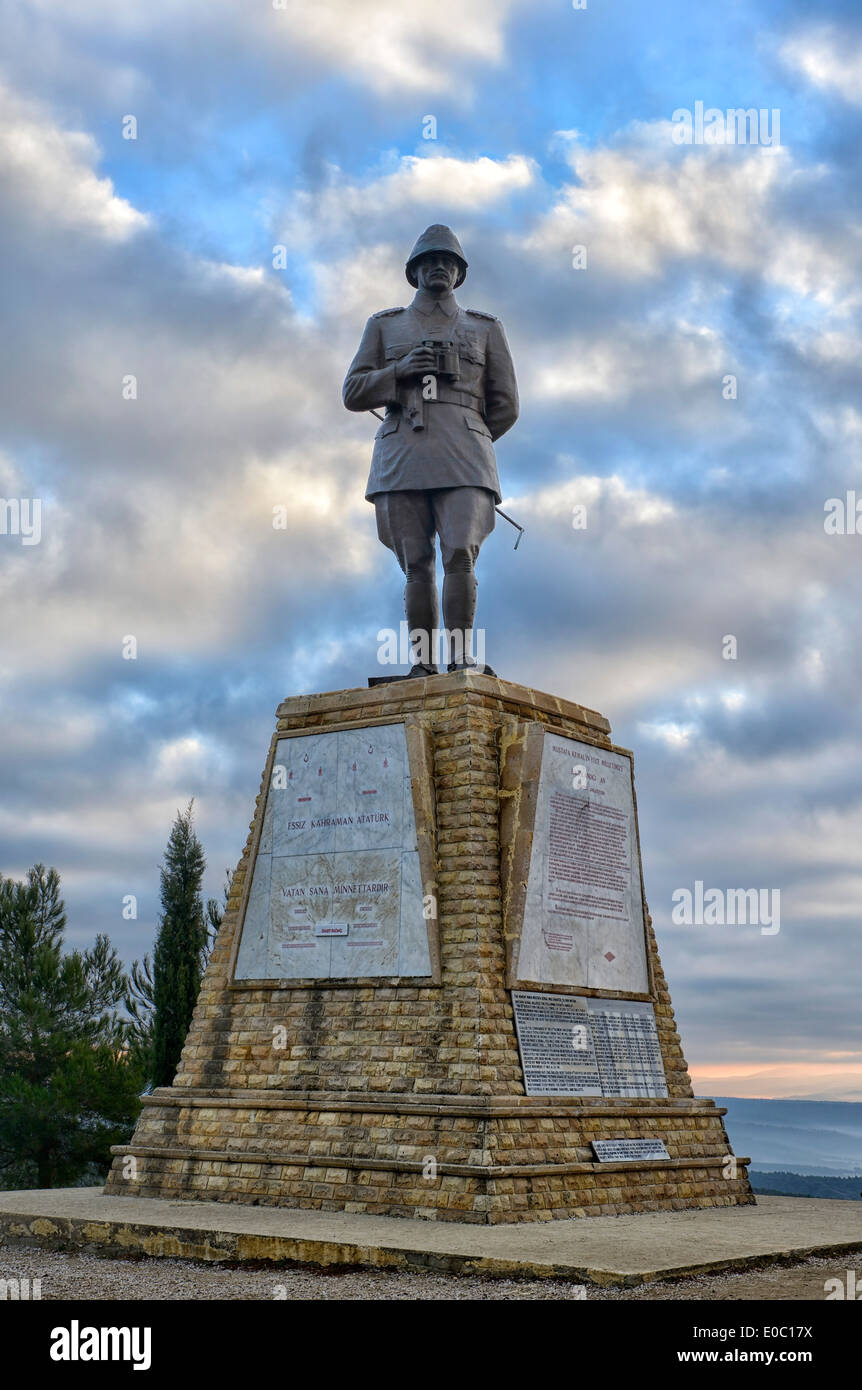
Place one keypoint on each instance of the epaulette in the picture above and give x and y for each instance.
(384, 313)
(479, 314)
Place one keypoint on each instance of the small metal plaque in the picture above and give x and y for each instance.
(628, 1150)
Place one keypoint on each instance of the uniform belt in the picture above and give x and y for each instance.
(412, 402)
(448, 395)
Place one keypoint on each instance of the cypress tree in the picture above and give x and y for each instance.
(180, 952)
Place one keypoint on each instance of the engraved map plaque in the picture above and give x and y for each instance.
(337, 889)
(573, 1046)
(582, 919)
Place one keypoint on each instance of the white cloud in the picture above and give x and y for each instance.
(172, 494)
(829, 58)
(629, 506)
(52, 172)
(395, 46)
(652, 359)
(672, 735)
(383, 44)
(432, 182)
(645, 203)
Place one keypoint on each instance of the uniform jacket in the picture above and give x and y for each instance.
(455, 447)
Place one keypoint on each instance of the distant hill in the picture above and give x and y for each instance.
(805, 1185)
(817, 1138)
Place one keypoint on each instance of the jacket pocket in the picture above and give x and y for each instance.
(471, 353)
(396, 350)
(475, 423)
(470, 349)
(390, 424)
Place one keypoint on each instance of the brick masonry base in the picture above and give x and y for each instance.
(405, 1099)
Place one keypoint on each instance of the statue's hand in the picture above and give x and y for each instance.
(418, 362)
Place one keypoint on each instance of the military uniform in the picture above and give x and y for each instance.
(453, 446)
(433, 469)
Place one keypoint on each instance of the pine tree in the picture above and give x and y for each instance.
(181, 947)
(139, 1005)
(68, 1089)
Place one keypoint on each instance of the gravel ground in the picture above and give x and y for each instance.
(92, 1277)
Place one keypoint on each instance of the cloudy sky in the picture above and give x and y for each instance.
(302, 127)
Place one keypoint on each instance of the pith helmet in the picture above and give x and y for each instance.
(436, 238)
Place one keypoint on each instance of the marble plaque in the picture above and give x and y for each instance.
(574, 1046)
(583, 915)
(556, 1045)
(337, 891)
(628, 1150)
(627, 1047)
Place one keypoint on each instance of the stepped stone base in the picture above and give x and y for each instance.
(407, 1098)
(495, 1162)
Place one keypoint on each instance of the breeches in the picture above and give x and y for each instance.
(407, 523)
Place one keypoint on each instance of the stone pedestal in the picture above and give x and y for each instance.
(431, 820)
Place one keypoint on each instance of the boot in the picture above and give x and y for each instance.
(459, 610)
(421, 608)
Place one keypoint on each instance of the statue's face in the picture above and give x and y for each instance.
(437, 272)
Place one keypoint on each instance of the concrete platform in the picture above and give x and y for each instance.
(607, 1250)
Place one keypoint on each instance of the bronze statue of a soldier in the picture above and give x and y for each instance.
(447, 381)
